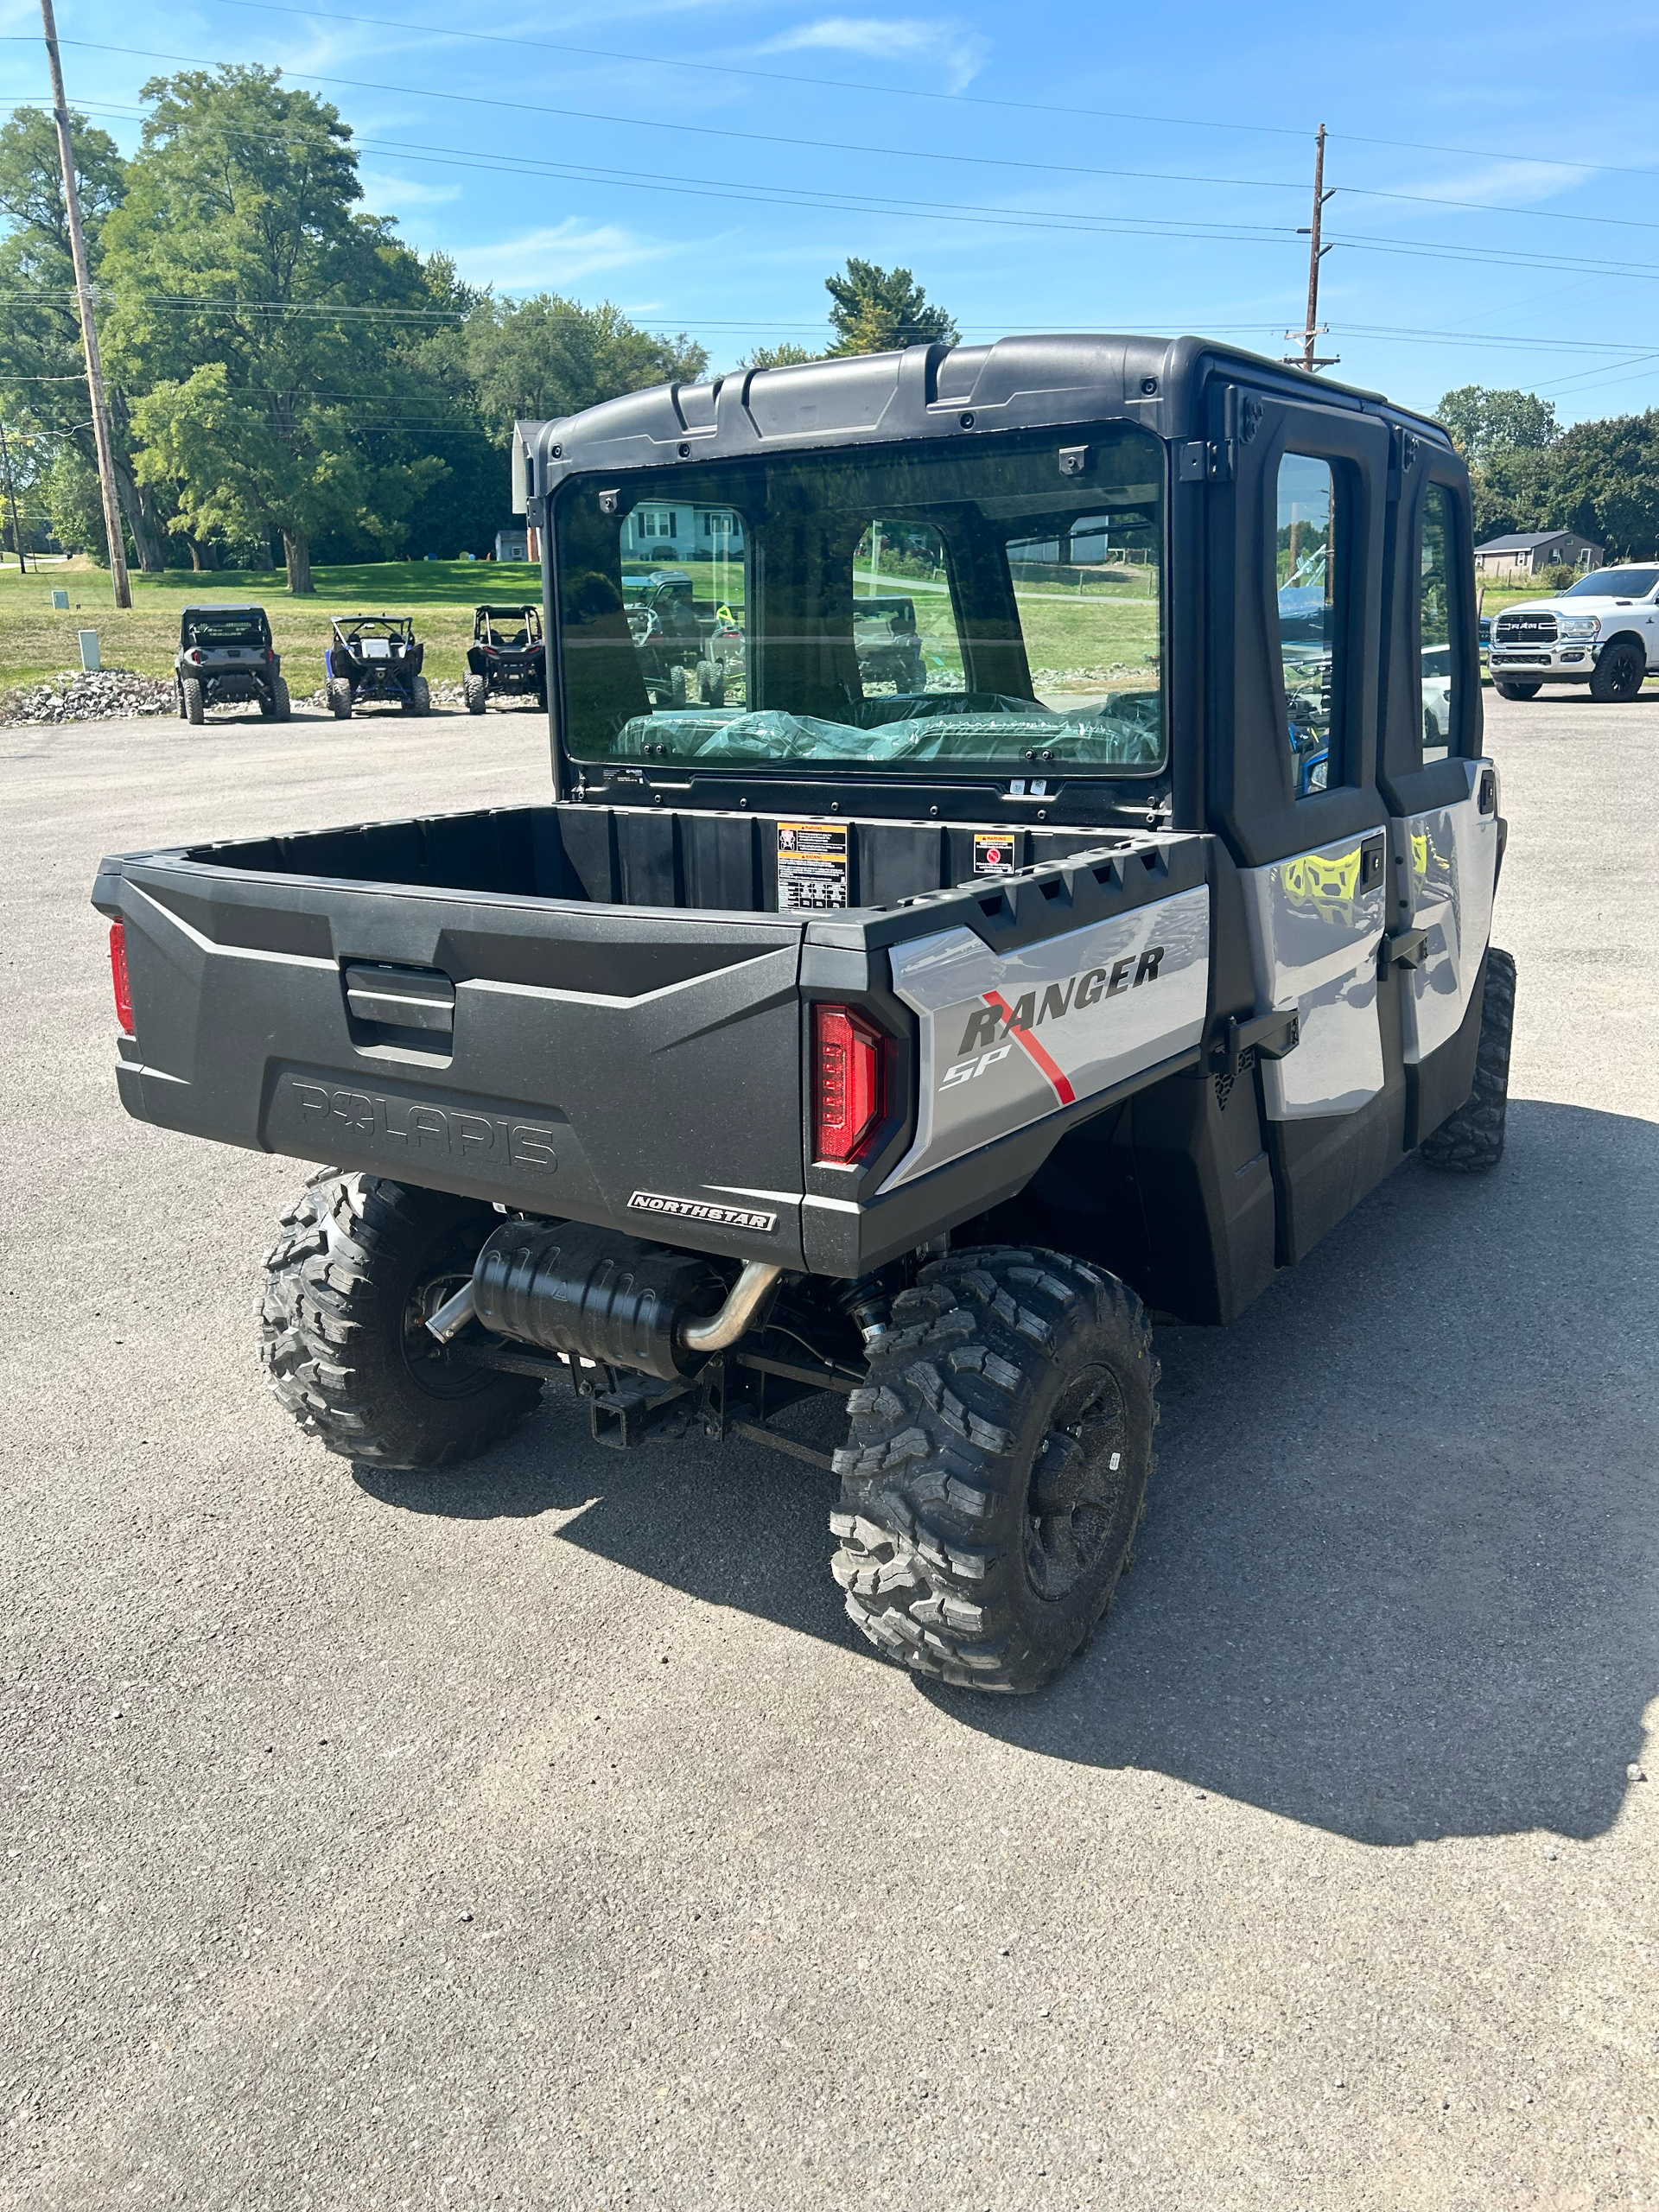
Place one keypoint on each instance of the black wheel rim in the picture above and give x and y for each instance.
(1077, 1505)
(440, 1273)
(1627, 677)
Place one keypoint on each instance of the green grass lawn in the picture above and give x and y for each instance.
(1109, 624)
(36, 642)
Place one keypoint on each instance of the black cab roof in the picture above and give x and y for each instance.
(1028, 382)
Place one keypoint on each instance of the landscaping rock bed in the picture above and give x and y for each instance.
(73, 696)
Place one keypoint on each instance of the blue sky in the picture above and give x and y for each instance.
(705, 162)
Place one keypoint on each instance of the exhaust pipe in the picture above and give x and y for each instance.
(565, 1287)
(453, 1315)
(749, 1294)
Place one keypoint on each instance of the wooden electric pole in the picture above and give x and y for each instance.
(88, 323)
(11, 500)
(1306, 337)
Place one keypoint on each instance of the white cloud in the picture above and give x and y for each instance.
(544, 260)
(381, 191)
(939, 42)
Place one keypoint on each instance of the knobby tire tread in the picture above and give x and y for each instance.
(329, 1324)
(1470, 1141)
(934, 1475)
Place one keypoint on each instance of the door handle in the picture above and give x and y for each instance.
(1271, 1035)
(1371, 861)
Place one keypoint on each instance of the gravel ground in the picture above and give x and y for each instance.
(542, 1835)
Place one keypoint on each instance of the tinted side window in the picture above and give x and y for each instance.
(1436, 586)
(1311, 630)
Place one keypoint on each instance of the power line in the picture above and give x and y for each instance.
(826, 201)
(890, 153)
(791, 139)
(955, 211)
(781, 76)
(952, 99)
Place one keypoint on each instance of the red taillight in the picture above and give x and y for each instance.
(849, 1090)
(122, 981)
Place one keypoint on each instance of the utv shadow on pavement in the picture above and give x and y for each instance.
(1397, 1578)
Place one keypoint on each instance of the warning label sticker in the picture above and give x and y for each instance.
(993, 852)
(812, 866)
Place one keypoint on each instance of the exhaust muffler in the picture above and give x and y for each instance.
(591, 1295)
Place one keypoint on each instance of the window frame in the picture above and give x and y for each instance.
(1456, 587)
(1092, 784)
(1342, 741)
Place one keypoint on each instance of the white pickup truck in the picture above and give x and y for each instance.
(1602, 631)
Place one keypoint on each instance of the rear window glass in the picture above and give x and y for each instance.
(227, 630)
(980, 602)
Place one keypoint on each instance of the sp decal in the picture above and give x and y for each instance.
(1074, 995)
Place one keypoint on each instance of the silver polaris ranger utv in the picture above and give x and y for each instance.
(904, 1027)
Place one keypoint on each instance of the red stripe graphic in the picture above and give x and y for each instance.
(1045, 1060)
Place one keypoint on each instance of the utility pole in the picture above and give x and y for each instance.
(11, 497)
(1316, 253)
(88, 324)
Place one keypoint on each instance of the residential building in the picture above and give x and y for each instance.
(1524, 552)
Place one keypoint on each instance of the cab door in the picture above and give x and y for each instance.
(1445, 834)
(1294, 791)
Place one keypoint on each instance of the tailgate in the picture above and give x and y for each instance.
(600, 1064)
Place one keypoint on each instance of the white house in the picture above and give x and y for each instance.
(682, 532)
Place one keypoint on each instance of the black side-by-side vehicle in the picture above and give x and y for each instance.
(898, 1035)
(506, 655)
(376, 657)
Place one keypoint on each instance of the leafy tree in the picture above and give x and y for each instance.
(276, 328)
(1483, 422)
(1599, 479)
(42, 368)
(1514, 489)
(777, 357)
(1605, 481)
(877, 310)
(545, 357)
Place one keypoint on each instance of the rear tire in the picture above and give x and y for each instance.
(996, 1467)
(281, 704)
(1516, 690)
(1619, 674)
(360, 1265)
(475, 693)
(420, 696)
(679, 686)
(190, 699)
(339, 699)
(1471, 1141)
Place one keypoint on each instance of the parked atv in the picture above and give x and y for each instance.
(911, 1051)
(889, 644)
(376, 657)
(507, 655)
(663, 618)
(685, 652)
(225, 654)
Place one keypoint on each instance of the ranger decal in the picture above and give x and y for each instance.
(1008, 1037)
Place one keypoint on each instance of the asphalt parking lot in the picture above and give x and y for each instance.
(542, 1835)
